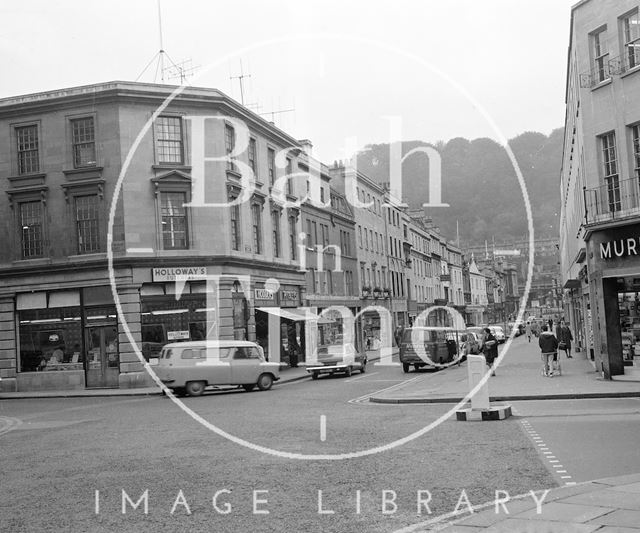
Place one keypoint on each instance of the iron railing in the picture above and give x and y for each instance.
(613, 200)
(603, 70)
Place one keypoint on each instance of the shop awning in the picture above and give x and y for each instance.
(294, 314)
(572, 284)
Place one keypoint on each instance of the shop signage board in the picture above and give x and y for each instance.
(289, 297)
(263, 294)
(616, 247)
(172, 273)
(178, 335)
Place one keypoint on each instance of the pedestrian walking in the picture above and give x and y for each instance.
(527, 330)
(549, 350)
(564, 336)
(550, 324)
(490, 348)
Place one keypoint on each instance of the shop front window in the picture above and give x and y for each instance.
(50, 339)
(166, 320)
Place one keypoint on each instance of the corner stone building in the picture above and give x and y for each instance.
(61, 155)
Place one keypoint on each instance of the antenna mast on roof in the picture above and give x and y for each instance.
(240, 79)
(180, 70)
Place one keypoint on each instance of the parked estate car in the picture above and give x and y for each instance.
(428, 347)
(338, 358)
(191, 367)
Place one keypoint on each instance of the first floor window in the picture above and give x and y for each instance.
(252, 155)
(635, 134)
(169, 140)
(31, 215)
(631, 29)
(610, 160)
(173, 217)
(275, 228)
(256, 222)
(83, 140)
(28, 149)
(229, 144)
(87, 223)
(292, 237)
(235, 226)
(271, 165)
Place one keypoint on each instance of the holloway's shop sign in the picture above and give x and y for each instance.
(171, 273)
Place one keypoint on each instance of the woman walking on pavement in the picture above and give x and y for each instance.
(549, 349)
(490, 348)
(564, 336)
(527, 330)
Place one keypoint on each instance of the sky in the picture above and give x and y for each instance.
(341, 73)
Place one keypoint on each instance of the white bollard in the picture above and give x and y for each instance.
(477, 366)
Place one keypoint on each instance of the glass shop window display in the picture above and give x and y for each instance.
(50, 340)
(629, 309)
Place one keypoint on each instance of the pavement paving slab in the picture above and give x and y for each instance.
(607, 498)
(620, 518)
(560, 511)
(521, 525)
(518, 377)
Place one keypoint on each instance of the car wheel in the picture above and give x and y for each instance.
(405, 367)
(314, 375)
(363, 368)
(348, 371)
(248, 386)
(265, 381)
(195, 388)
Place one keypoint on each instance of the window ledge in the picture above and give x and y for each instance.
(87, 257)
(602, 84)
(172, 166)
(631, 71)
(234, 174)
(16, 180)
(82, 170)
(34, 261)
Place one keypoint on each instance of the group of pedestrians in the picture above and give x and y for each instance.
(550, 344)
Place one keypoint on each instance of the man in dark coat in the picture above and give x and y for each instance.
(549, 349)
(490, 348)
(564, 336)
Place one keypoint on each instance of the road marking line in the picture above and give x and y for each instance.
(323, 428)
(365, 397)
(360, 377)
(547, 454)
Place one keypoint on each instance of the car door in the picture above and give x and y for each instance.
(245, 365)
(213, 366)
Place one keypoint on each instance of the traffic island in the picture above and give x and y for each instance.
(494, 412)
(481, 408)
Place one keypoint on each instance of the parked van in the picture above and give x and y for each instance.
(432, 347)
(191, 367)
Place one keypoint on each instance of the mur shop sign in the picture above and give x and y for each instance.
(619, 248)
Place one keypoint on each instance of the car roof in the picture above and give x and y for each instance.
(219, 344)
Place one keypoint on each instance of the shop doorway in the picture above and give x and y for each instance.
(103, 361)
